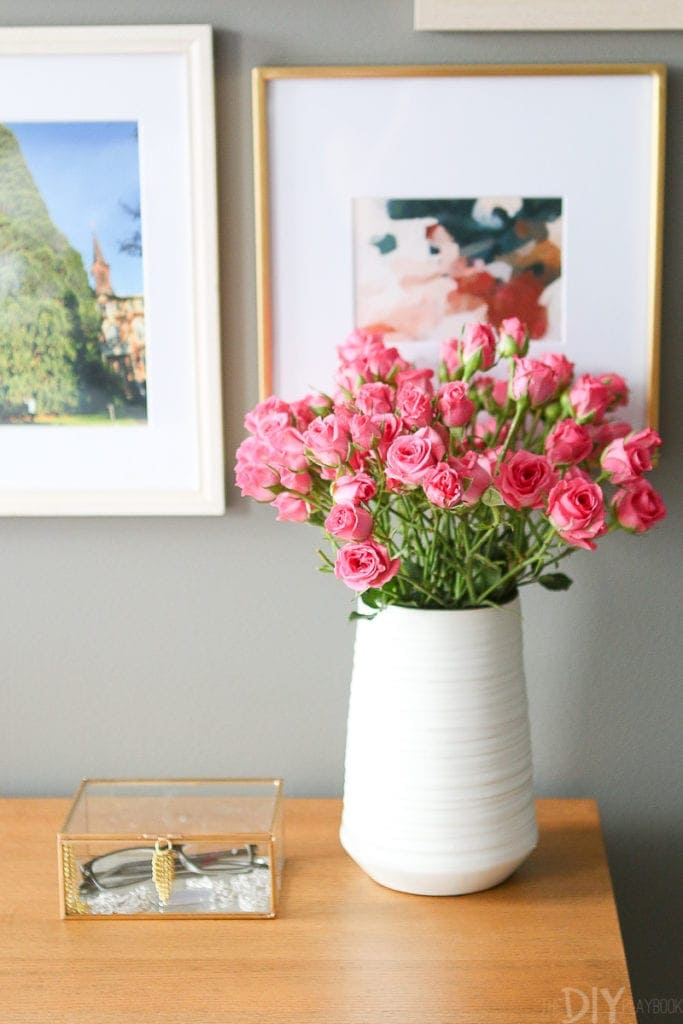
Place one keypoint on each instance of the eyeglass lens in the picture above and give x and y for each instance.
(126, 867)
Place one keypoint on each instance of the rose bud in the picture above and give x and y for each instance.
(514, 338)
(455, 407)
(478, 348)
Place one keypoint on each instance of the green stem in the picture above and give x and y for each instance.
(519, 413)
(468, 565)
(414, 585)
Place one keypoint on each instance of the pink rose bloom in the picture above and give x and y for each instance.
(454, 405)
(562, 367)
(349, 522)
(272, 414)
(568, 443)
(349, 377)
(638, 507)
(364, 564)
(490, 458)
(475, 475)
(343, 414)
(422, 378)
(299, 482)
(411, 456)
(450, 356)
(353, 489)
(442, 486)
(524, 480)
(589, 398)
(535, 380)
(576, 508)
(253, 474)
(514, 337)
(602, 433)
(479, 347)
(291, 509)
(357, 343)
(375, 398)
(287, 445)
(377, 363)
(383, 363)
(391, 428)
(413, 405)
(306, 409)
(617, 387)
(328, 440)
(357, 461)
(627, 458)
(365, 430)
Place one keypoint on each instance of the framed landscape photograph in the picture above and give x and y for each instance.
(109, 331)
(415, 200)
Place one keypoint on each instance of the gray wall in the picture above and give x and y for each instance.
(213, 647)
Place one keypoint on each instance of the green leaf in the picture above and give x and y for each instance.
(328, 564)
(354, 616)
(490, 577)
(373, 598)
(492, 497)
(555, 581)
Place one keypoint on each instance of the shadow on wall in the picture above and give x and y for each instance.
(646, 874)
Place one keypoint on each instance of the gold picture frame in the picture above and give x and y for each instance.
(292, 128)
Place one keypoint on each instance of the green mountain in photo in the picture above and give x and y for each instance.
(50, 361)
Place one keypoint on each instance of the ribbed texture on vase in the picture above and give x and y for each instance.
(438, 759)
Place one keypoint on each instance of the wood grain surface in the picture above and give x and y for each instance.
(343, 950)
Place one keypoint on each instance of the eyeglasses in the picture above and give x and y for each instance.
(123, 868)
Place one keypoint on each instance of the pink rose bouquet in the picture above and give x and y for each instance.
(453, 492)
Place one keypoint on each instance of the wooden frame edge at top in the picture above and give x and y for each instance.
(546, 16)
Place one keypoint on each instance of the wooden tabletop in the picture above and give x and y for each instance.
(343, 950)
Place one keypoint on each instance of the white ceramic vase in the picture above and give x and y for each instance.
(438, 786)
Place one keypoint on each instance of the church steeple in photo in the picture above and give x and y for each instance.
(100, 270)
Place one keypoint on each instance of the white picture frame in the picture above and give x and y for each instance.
(324, 136)
(547, 16)
(171, 461)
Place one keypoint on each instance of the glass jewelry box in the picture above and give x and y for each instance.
(176, 848)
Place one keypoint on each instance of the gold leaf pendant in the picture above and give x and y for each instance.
(163, 869)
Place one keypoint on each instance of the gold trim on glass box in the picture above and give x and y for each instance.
(262, 75)
(72, 908)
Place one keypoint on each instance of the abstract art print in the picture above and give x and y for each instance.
(426, 267)
(72, 316)
(408, 200)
